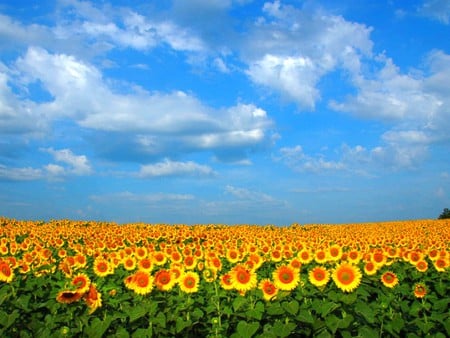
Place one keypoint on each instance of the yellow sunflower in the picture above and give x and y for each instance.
(242, 278)
(81, 282)
(319, 276)
(189, 282)
(389, 279)
(142, 282)
(286, 278)
(268, 289)
(6, 273)
(347, 277)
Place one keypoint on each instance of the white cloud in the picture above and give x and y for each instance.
(295, 77)
(390, 96)
(295, 158)
(20, 174)
(289, 50)
(174, 168)
(246, 194)
(436, 9)
(77, 164)
(144, 198)
(157, 122)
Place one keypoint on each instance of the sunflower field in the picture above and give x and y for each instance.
(65, 278)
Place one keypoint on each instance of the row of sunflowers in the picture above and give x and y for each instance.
(94, 279)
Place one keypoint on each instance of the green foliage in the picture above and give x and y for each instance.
(445, 214)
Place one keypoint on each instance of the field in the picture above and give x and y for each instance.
(66, 278)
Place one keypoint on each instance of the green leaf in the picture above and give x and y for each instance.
(291, 307)
(332, 323)
(367, 331)
(22, 302)
(181, 324)
(160, 320)
(275, 309)
(98, 327)
(424, 326)
(142, 333)
(136, 312)
(365, 311)
(345, 322)
(247, 330)
(441, 304)
(6, 320)
(239, 302)
(349, 298)
(305, 317)
(283, 329)
(121, 333)
(327, 307)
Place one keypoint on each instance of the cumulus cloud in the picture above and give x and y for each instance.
(20, 174)
(127, 196)
(289, 50)
(436, 9)
(154, 121)
(76, 164)
(174, 168)
(246, 194)
(295, 158)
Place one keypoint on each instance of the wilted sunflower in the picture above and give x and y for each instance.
(68, 296)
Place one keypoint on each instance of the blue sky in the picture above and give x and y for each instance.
(225, 111)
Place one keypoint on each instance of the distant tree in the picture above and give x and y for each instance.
(445, 214)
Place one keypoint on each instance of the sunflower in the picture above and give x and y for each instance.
(440, 264)
(159, 258)
(286, 278)
(145, 264)
(370, 268)
(305, 256)
(69, 296)
(189, 262)
(164, 280)
(334, 252)
(319, 276)
(389, 279)
(6, 273)
(276, 256)
(320, 256)
(142, 282)
(81, 282)
(422, 265)
(268, 289)
(242, 278)
(93, 298)
(420, 290)
(102, 267)
(226, 282)
(129, 263)
(347, 277)
(354, 256)
(233, 256)
(295, 263)
(379, 258)
(189, 282)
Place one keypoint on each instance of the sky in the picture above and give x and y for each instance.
(225, 111)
